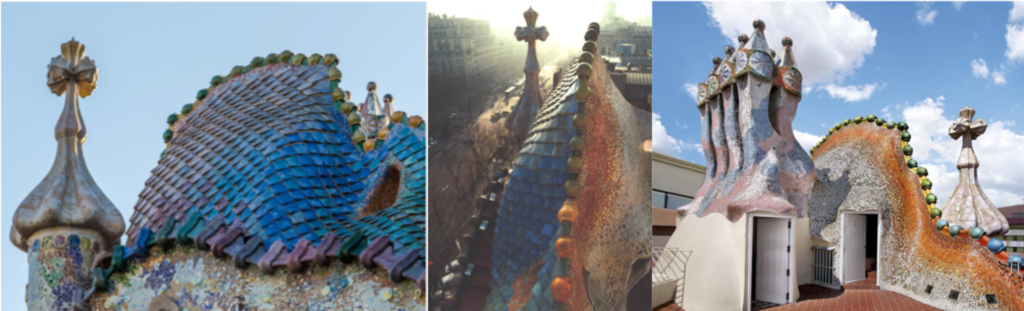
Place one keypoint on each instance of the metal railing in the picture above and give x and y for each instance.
(669, 265)
(824, 273)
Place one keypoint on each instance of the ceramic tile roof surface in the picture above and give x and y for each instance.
(267, 162)
(638, 78)
(527, 221)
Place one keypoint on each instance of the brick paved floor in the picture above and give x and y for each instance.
(813, 297)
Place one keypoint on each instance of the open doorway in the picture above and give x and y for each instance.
(860, 250)
(771, 250)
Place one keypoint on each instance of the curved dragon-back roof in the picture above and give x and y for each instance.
(923, 249)
(263, 167)
(577, 179)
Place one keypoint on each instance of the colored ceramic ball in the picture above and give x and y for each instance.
(879, 121)
(172, 118)
(930, 198)
(935, 212)
(186, 109)
(902, 126)
(890, 125)
(905, 136)
(846, 122)
(369, 144)
(926, 184)
(908, 150)
(1015, 260)
(201, 94)
(871, 118)
(358, 137)
(941, 223)
(996, 245)
(976, 232)
(921, 171)
(911, 163)
(858, 120)
(415, 121)
(168, 134)
(397, 117)
(954, 230)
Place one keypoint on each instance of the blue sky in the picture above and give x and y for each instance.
(918, 62)
(152, 59)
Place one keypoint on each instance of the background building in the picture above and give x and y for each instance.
(462, 47)
(1015, 237)
(673, 186)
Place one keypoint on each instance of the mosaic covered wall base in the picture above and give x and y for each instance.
(195, 280)
(58, 266)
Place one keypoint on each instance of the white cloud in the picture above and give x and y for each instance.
(806, 140)
(958, 4)
(830, 41)
(980, 68)
(925, 14)
(1017, 12)
(692, 90)
(851, 93)
(1015, 42)
(662, 142)
(1015, 33)
(998, 151)
(998, 77)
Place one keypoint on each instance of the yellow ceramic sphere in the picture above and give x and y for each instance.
(397, 117)
(415, 121)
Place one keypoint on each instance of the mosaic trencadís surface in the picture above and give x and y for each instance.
(270, 170)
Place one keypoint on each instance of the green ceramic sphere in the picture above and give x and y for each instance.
(935, 212)
(912, 163)
(931, 198)
(926, 184)
(846, 122)
(879, 121)
(908, 150)
(216, 80)
(976, 232)
(890, 125)
(905, 136)
(871, 118)
(858, 120)
(256, 62)
(831, 131)
(186, 109)
(954, 230)
(838, 126)
(923, 172)
(201, 94)
(270, 59)
(172, 118)
(168, 134)
(902, 126)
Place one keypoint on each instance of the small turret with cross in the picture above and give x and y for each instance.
(968, 206)
(526, 110)
(66, 221)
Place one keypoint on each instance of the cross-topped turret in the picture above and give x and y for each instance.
(529, 104)
(66, 213)
(969, 206)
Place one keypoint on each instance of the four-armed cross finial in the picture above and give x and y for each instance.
(531, 32)
(964, 126)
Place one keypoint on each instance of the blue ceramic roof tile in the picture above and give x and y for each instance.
(527, 221)
(274, 154)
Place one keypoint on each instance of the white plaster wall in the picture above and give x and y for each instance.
(717, 271)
